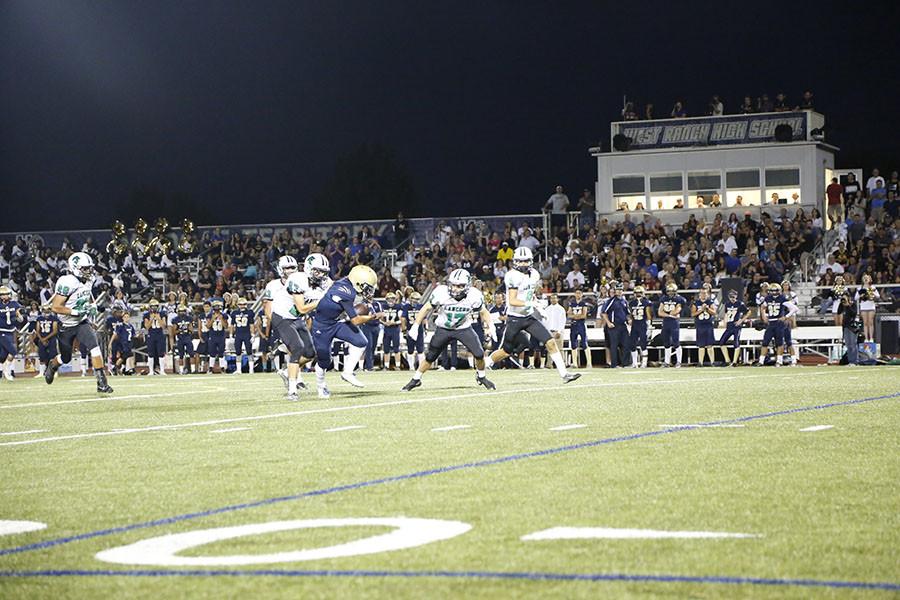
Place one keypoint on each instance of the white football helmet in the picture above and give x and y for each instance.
(317, 267)
(81, 265)
(286, 265)
(523, 259)
(459, 282)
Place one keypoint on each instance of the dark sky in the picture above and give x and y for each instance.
(487, 105)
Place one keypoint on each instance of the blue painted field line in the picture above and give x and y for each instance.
(419, 474)
(827, 583)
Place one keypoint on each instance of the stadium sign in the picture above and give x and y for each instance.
(711, 131)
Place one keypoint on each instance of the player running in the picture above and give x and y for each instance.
(10, 317)
(73, 301)
(46, 327)
(523, 316)
(328, 324)
(455, 304)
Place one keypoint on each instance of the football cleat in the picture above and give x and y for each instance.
(284, 376)
(413, 384)
(104, 388)
(487, 383)
(352, 380)
(323, 392)
(50, 373)
(292, 397)
(569, 377)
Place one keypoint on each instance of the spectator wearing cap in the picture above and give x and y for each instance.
(505, 253)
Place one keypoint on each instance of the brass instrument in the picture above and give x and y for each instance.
(139, 242)
(118, 245)
(160, 243)
(187, 243)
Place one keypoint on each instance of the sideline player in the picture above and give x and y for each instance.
(10, 317)
(415, 348)
(776, 311)
(390, 340)
(639, 316)
(121, 343)
(670, 305)
(521, 308)
(455, 304)
(46, 327)
(577, 313)
(155, 323)
(183, 337)
(704, 309)
(736, 312)
(218, 324)
(74, 303)
(328, 324)
(242, 323)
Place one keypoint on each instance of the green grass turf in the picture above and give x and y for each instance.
(824, 503)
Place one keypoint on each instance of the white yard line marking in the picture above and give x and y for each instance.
(345, 428)
(11, 527)
(229, 430)
(818, 428)
(452, 427)
(25, 432)
(700, 425)
(568, 427)
(112, 398)
(611, 533)
(382, 404)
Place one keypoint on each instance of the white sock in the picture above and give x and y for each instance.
(488, 361)
(644, 355)
(779, 359)
(238, 361)
(471, 362)
(292, 386)
(421, 356)
(668, 356)
(320, 376)
(41, 369)
(762, 358)
(250, 362)
(678, 355)
(353, 355)
(634, 358)
(417, 376)
(411, 359)
(480, 374)
(557, 359)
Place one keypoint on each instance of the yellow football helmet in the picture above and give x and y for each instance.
(364, 280)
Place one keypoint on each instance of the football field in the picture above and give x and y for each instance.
(694, 483)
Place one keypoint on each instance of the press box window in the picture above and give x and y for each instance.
(628, 192)
(705, 184)
(743, 188)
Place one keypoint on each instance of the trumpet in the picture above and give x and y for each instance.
(139, 242)
(118, 245)
(187, 243)
(160, 243)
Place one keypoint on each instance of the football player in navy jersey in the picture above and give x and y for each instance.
(577, 313)
(203, 328)
(267, 340)
(10, 316)
(390, 339)
(704, 309)
(122, 337)
(670, 305)
(242, 323)
(371, 329)
(415, 348)
(155, 323)
(776, 311)
(113, 349)
(218, 325)
(640, 314)
(183, 334)
(736, 312)
(329, 324)
(46, 326)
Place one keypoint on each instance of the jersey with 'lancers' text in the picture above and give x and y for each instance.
(78, 296)
(452, 313)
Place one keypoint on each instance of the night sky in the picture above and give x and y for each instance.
(247, 106)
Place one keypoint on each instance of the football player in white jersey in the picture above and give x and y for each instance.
(523, 316)
(283, 308)
(455, 305)
(307, 287)
(74, 303)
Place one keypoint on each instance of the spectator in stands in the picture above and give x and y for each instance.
(835, 194)
(747, 107)
(781, 103)
(628, 112)
(558, 205)
(679, 203)
(832, 265)
(575, 279)
(648, 112)
(877, 199)
(401, 231)
(716, 108)
(872, 181)
(893, 184)
(806, 103)
(764, 105)
(678, 111)
(586, 207)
